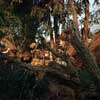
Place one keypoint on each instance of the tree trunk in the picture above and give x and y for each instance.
(75, 18)
(51, 44)
(74, 12)
(86, 22)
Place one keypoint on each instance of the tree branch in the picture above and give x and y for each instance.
(84, 53)
(63, 56)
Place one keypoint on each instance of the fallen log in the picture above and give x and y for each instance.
(56, 73)
(51, 74)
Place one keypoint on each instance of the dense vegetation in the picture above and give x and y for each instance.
(65, 67)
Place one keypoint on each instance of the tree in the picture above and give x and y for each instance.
(73, 10)
(23, 21)
(86, 22)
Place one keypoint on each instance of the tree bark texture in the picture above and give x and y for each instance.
(86, 22)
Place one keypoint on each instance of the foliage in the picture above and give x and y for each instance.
(22, 21)
(1, 34)
(2, 20)
(31, 27)
(23, 8)
(19, 83)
